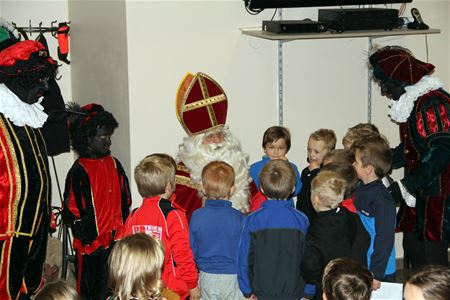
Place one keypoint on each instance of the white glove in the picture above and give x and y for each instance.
(387, 181)
(410, 200)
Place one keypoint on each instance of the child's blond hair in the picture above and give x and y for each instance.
(153, 173)
(329, 187)
(347, 172)
(58, 290)
(135, 266)
(277, 179)
(358, 132)
(325, 135)
(217, 180)
(374, 151)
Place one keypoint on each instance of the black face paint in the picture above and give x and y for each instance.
(30, 94)
(100, 143)
(391, 90)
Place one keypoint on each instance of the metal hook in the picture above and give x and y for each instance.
(52, 24)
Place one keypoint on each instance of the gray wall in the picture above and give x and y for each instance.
(100, 67)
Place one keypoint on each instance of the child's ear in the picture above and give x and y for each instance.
(202, 189)
(324, 297)
(315, 202)
(170, 188)
(232, 189)
(370, 169)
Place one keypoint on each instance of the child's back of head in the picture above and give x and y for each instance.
(218, 180)
(347, 172)
(135, 266)
(340, 156)
(59, 290)
(154, 174)
(327, 190)
(429, 283)
(344, 279)
(374, 151)
(277, 179)
(358, 132)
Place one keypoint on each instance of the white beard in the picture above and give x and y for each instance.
(195, 155)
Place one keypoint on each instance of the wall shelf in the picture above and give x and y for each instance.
(334, 35)
(369, 34)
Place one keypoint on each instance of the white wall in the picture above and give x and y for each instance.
(20, 12)
(167, 39)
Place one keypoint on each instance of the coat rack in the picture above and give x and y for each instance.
(53, 29)
(59, 31)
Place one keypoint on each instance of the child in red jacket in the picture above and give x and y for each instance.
(160, 217)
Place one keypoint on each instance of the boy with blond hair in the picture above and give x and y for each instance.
(215, 231)
(272, 242)
(161, 218)
(375, 205)
(320, 143)
(341, 162)
(335, 232)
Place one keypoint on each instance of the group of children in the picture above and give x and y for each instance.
(336, 243)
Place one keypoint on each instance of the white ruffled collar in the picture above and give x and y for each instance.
(19, 112)
(399, 110)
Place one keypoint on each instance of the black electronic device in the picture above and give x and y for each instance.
(292, 26)
(347, 19)
(418, 22)
(262, 4)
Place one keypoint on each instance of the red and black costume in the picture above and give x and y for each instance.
(96, 200)
(24, 174)
(423, 113)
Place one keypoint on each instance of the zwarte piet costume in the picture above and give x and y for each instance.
(96, 197)
(423, 114)
(25, 68)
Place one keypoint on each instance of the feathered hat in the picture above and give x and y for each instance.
(397, 64)
(25, 63)
(8, 34)
(84, 121)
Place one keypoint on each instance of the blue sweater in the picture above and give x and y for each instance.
(256, 168)
(376, 207)
(215, 231)
(271, 251)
